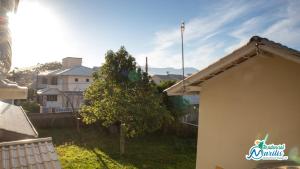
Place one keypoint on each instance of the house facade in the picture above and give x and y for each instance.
(248, 94)
(62, 90)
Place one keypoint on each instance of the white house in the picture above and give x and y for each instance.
(62, 90)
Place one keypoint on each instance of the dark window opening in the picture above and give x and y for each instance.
(51, 97)
(87, 80)
(54, 81)
(76, 79)
(44, 80)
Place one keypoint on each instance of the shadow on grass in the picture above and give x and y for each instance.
(149, 151)
(99, 158)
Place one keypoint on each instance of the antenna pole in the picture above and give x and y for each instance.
(182, 27)
(146, 67)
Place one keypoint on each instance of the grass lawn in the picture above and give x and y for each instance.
(95, 149)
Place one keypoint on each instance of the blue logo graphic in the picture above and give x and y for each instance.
(263, 151)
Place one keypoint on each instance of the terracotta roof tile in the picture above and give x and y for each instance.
(31, 153)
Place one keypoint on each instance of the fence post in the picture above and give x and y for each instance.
(122, 138)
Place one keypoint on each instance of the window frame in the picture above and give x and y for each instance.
(52, 98)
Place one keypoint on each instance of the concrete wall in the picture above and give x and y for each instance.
(50, 120)
(260, 96)
(81, 85)
(69, 62)
(75, 99)
(63, 81)
(67, 83)
(57, 103)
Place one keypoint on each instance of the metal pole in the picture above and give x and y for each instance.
(36, 85)
(146, 68)
(182, 55)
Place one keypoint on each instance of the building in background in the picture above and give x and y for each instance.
(62, 90)
(157, 79)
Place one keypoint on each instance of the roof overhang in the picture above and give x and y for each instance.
(49, 91)
(256, 45)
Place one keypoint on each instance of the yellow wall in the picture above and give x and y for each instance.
(260, 96)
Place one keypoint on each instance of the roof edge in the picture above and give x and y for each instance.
(176, 89)
(31, 125)
(26, 141)
(244, 52)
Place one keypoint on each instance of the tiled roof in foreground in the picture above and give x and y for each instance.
(31, 153)
(14, 123)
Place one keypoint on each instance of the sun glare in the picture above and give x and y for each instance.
(37, 33)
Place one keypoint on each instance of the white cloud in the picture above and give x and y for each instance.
(198, 32)
(204, 55)
(200, 27)
(285, 28)
(243, 32)
(225, 29)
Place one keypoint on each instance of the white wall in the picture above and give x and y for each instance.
(57, 103)
(71, 85)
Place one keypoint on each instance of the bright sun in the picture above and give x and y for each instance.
(37, 34)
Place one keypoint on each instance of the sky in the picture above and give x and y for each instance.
(48, 30)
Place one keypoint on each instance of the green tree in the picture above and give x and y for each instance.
(176, 105)
(47, 66)
(121, 93)
(30, 106)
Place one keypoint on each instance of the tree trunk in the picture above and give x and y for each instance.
(122, 138)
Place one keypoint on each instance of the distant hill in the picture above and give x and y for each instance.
(170, 70)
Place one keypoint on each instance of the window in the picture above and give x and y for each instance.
(51, 97)
(54, 81)
(44, 80)
(87, 80)
(76, 79)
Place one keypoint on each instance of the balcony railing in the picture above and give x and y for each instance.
(190, 118)
(43, 86)
(57, 109)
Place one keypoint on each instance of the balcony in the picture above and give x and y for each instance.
(57, 109)
(44, 86)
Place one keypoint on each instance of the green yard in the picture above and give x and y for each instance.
(95, 149)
